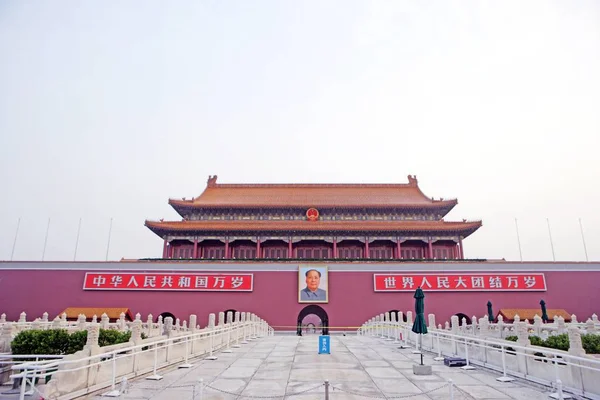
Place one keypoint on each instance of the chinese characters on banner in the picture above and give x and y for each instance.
(459, 282)
(163, 281)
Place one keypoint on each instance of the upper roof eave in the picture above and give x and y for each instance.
(190, 204)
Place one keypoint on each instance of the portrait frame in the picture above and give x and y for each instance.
(323, 283)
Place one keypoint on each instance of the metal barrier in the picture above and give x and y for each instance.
(98, 371)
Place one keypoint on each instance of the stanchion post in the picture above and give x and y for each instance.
(326, 389)
(155, 376)
(23, 385)
(504, 378)
(451, 389)
(468, 366)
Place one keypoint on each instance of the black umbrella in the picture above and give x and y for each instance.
(490, 312)
(419, 326)
(545, 318)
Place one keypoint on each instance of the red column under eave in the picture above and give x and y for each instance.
(398, 249)
(367, 248)
(165, 248)
(171, 250)
(195, 249)
(227, 249)
(335, 248)
(430, 247)
(462, 252)
(290, 249)
(258, 248)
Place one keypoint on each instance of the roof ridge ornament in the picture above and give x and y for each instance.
(212, 181)
(412, 180)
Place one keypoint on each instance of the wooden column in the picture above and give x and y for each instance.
(165, 248)
(171, 250)
(227, 249)
(195, 255)
(335, 255)
(290, 249)
(430, 247)
(461, 251)
(398, 249)
(258, 248)
(366, 255)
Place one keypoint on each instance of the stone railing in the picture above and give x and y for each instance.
(95, 368)
(8, 330)
(500, 329)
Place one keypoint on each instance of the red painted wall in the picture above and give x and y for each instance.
(352, 299)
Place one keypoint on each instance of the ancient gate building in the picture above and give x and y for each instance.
(308, 255)
(313, 222)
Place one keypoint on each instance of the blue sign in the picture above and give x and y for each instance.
(324, 344)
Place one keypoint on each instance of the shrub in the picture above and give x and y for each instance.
(60, 342)
(559, 342)
(591, 343)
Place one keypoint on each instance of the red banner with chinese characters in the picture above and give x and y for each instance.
(163, 281)
(471, 282)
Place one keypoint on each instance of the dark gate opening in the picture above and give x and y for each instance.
(319, 312)
(232, 315)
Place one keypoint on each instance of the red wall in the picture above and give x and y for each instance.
(352, 299)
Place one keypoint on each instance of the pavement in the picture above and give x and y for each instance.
(289, 367)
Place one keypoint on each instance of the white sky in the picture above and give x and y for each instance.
(107, 109)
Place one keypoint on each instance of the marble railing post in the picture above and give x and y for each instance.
(150, 323)
(168, 327)
(431, 318)
(454, 330)
(104, 321)
(81, 322)
(537, 325)
(193, 322)
(136, 331)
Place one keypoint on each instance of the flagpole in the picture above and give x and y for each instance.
(15, 241)
(518, 240)
(583, 239)
(108, 244)
(46, 239)
(550, 235)
(77, 240)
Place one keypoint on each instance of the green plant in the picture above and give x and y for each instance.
(591, 343)
(60, 342)
(559, 342)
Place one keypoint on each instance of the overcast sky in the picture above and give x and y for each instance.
(107, 109)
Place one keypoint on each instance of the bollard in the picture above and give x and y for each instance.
(326, 389)
(451, 389)
(201, 388)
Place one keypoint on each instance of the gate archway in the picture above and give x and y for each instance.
(460, 318)
(232, 315)
(316, 310)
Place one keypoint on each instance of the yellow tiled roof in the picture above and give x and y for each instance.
(529, 313)
(89, 312)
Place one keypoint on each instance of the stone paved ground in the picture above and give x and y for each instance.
(358, 368)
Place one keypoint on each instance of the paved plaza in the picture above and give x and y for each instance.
(286, 366)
